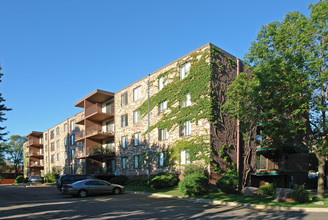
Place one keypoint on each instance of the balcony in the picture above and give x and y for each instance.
(38, 154)
(79, 136)
(80, 120)
(37, 164)
(35, 142)
(96, 113)
(95, 132)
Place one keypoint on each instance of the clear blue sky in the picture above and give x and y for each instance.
(55, 52)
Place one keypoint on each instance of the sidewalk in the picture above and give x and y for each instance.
(231, 204)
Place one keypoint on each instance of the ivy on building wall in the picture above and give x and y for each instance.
(197, 84)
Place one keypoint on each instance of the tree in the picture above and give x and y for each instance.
(14, 150)
(3, 108)
(286, 92)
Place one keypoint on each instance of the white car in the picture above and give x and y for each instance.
(33, 179)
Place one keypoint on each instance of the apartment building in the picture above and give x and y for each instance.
(54, 149)
(116, 132)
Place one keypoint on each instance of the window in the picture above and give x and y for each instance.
(163, 159)
(136, 116)
(46, 136)
(162, 107)
(137, 139)
(124, 120)
(65, 141)
(110, 127)
(136, 161)
(124, 99)
(125, 142)
(52, 146)
(73, 139)
(184, 70)
(187, 101)
(72, 125)
(52, 158)
(162, 81)
(57, 145)
(162, 134)
(137, 93)
(124, 163)
(184, 157)
(185, 129)
(65, 127)
(46, 158)
(73, 154)
(58, 157)
(52, 134)
(45, 148)
(57, 131)
(261, 162)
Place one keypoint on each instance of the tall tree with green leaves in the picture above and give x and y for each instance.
(3, 109)
(14, 150)
(286, 91)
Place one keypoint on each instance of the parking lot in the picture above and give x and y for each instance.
(44, 202)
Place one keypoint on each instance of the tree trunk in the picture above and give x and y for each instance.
(321, 174)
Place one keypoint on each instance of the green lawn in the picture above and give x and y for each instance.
(259, 200)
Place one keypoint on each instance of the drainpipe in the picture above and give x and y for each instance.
(148, 131)
(238, 137)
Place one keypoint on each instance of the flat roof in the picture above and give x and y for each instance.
(96, 96)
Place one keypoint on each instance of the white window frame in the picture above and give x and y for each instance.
(65, 127)
(184, 157)
(124, 99)
(184, 70)
(137, 93)
(125, 141)
(124, 123)
(162, 82)
(124, 163)
(136, 116)
(72, 125)
(185, 130)
(137, 139)
(57, 144)
(162, 134)
(136, 162)
(161, 159)
(162, 107)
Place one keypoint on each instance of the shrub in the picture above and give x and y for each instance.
(163, 180)
(228, 182)
(50, 177)
(121, 180)
(193, 168)
(194, 184)
(300, 195)
(19, 179)
(138, 181)
(267, 190)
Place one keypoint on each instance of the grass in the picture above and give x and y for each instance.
(238, 198)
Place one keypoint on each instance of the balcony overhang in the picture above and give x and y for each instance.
(99, 136)
(35, 134)
(37, 166)
(36, 155)
(98, 157)
(97, 96)
(99, 116)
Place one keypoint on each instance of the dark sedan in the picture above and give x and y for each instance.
(91, 187)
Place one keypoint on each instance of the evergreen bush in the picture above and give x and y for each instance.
(300, 195)
(267, 190)
(193, 168)
(194, 184)
(228, 182)
(121, 180)
(163, 180)
(19, 179)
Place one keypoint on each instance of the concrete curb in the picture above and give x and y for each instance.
(231, 204)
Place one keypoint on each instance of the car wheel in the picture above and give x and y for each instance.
(116, 191)
(82, 193)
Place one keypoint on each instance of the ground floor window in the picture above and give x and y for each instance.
(124, 163)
